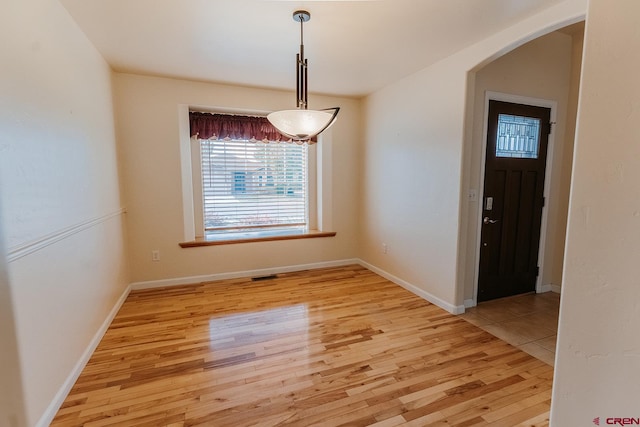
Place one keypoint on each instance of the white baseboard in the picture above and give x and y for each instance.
(287, 269)
(550, 288)
(544, 288)
(468, 303)
(239, 274)
(453, 309)
(64, 390)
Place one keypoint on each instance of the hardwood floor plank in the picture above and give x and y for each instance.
(330, 347)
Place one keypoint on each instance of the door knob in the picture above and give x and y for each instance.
(488, 220)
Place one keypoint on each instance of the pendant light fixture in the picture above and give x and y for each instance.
(302, 124)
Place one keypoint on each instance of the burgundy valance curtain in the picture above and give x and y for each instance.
(231, 126)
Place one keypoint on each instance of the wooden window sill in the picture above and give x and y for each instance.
(215, 242)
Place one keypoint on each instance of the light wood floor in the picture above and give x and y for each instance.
(328, 347)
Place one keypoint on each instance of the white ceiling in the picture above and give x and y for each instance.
(354, 47)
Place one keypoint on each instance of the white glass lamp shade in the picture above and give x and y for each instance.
(302, 125)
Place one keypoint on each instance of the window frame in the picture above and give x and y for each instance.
(319, 182)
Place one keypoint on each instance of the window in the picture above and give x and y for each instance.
(239, 180)
(253, 188)
(518, 137)
(242, 183)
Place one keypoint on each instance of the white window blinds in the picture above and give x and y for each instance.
(253, 185)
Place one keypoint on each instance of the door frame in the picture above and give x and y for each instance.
(515, 99)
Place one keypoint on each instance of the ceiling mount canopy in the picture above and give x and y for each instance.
(302, 124)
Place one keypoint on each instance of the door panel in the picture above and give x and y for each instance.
(516, 154)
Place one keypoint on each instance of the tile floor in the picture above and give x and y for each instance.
(529, 322)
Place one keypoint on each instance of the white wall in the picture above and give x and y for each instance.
(565, 175)
(149, 138)
(414, 133)
(60, 197)
(540, 69)
(598, 352)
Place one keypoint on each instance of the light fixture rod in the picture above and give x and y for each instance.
(304, 84)
(302, 75)
(298, 88)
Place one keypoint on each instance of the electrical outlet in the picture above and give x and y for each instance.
(155, 255)
(473, 195)
(385, 249)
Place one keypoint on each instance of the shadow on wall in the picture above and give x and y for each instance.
(11, 394)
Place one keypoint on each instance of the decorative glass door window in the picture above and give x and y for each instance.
(517, 137)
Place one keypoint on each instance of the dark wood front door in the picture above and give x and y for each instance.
(516, 156)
